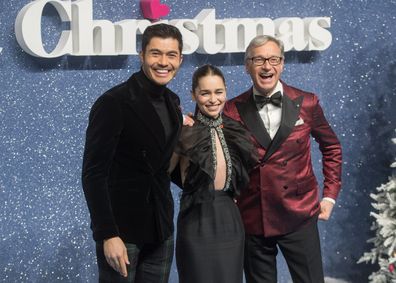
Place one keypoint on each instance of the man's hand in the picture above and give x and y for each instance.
(188, 120)
(116, 254)
(325, 209)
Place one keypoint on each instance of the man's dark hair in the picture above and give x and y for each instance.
(161, 31)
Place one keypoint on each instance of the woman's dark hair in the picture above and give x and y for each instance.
(205, 70)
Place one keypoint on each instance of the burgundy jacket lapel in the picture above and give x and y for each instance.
(290, 112)
(249, 115)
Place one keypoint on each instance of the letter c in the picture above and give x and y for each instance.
(28, 29)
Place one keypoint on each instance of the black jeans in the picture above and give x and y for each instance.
(150, 263)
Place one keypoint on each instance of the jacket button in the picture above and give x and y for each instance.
(285, 187)
(299, 140)
(284, 163)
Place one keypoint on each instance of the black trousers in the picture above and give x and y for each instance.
(301, 250)
(150, 263)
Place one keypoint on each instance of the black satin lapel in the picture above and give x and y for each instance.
(251, 118)
(142, 106)
(290, 112)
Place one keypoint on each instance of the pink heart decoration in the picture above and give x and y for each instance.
(153, 9)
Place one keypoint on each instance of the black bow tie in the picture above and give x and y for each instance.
(275, 99)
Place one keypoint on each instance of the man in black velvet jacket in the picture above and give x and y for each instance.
(131, 134)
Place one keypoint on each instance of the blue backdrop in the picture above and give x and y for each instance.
(44, 223)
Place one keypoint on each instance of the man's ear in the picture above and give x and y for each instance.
(141, 55)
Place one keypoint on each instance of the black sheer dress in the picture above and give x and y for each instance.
(210, 234)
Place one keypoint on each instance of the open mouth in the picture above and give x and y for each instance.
(162, 72)
(266, 76)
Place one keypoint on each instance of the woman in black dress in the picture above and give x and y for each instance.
(214, 157)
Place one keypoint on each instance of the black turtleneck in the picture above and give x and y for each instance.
(155, 94)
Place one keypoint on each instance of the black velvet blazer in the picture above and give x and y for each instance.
(125, 164)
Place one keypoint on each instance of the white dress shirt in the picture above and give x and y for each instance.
(271, 114)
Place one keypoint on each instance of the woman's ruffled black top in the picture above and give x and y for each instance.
(195, 143)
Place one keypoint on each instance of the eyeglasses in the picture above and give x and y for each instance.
(259, 61)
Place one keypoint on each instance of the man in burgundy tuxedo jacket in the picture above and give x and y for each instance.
(281, 205)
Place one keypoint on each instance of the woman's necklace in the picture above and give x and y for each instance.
(216, 125)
